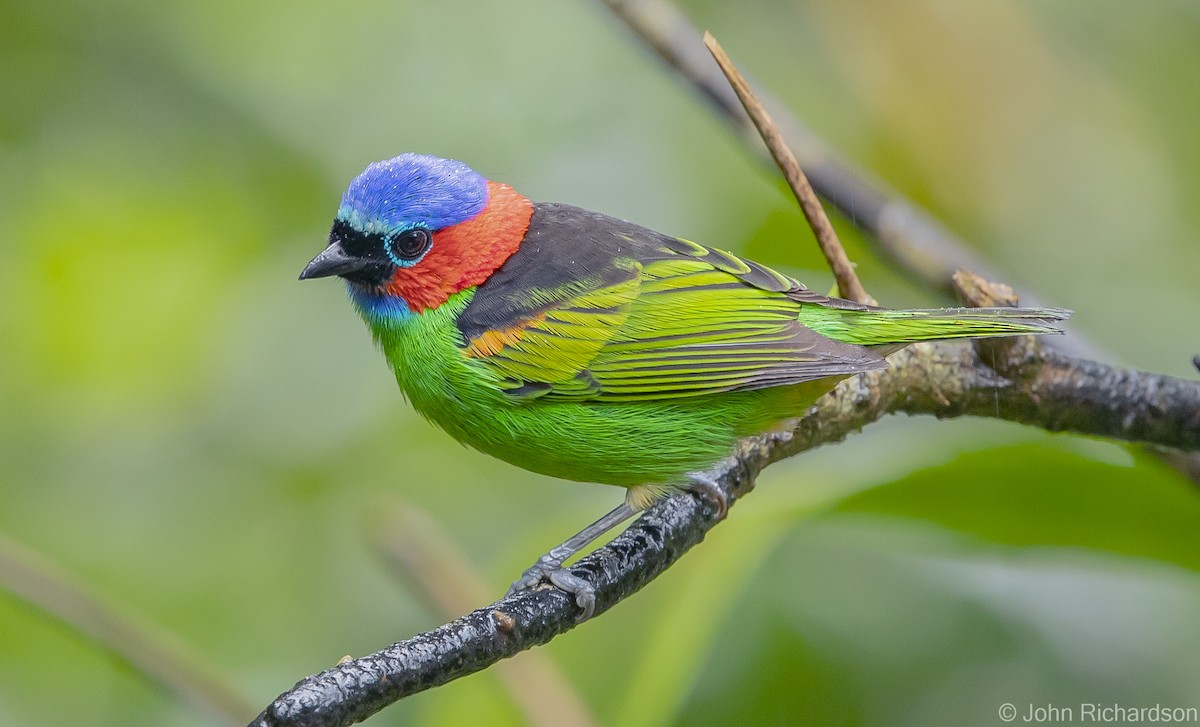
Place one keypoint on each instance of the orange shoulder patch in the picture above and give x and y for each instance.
(490, 343)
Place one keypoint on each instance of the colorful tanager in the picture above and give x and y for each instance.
(588, 348)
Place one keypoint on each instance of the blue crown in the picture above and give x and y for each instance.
(413, 190)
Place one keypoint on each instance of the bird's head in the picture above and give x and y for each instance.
(414, 230)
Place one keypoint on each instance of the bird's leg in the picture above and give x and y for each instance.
(549, 566)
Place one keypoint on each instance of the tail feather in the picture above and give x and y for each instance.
(889, 327)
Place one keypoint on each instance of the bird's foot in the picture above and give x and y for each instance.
(549, 568)
(705, 486)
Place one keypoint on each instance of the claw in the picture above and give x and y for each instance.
(535, 574)
(549, 566)
(706, 487)
(547, 569)
(584, 592)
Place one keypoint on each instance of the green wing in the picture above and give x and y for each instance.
(599, 309)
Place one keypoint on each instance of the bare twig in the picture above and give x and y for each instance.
(849, 286)
(424, 553)
(155, 654)
(1034, 386)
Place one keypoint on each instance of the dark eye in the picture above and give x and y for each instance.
(408, 247)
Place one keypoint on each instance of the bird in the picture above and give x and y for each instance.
(588, 348)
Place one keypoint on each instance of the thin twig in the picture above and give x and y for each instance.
(153, 653)
(849, 286)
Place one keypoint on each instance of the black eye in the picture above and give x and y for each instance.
(408, 247)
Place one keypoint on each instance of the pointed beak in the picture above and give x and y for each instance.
(333, 260)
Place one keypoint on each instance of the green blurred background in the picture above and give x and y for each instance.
(206, 441)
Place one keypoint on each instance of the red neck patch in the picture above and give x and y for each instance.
(465, 254)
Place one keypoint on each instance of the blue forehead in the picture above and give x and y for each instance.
(411, 190)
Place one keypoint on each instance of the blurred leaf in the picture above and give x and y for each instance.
(1005, 495)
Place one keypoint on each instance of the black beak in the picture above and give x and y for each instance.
(333, 260)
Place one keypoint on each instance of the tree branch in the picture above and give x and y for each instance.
(424, 554)
(1029, 384)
